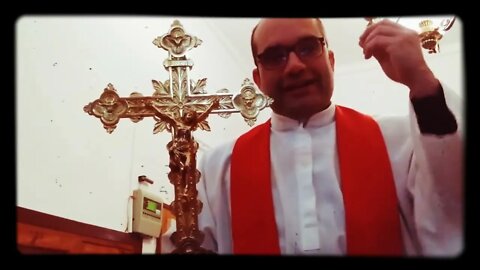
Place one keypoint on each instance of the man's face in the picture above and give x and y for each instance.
(294, 66)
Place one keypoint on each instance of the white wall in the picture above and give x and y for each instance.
(67, 165)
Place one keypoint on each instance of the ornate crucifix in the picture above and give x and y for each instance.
(180, 106)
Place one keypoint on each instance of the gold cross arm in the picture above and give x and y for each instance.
(110, 107)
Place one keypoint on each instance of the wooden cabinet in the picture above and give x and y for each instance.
(40, 233)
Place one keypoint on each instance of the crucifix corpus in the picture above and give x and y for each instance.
(180, 106)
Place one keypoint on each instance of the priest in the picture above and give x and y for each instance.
(319, 178)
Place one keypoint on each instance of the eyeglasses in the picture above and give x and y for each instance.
(277, 57)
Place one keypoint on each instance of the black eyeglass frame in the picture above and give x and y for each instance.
(280, 60)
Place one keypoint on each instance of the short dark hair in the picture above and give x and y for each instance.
(254, 47)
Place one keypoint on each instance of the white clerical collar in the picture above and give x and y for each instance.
(283, 123)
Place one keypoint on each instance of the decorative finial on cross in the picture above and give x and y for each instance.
(176, 41)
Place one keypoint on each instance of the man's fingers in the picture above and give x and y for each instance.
(384, 27)
(377, 46)
(377, 32)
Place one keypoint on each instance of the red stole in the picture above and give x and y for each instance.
(370, 200)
